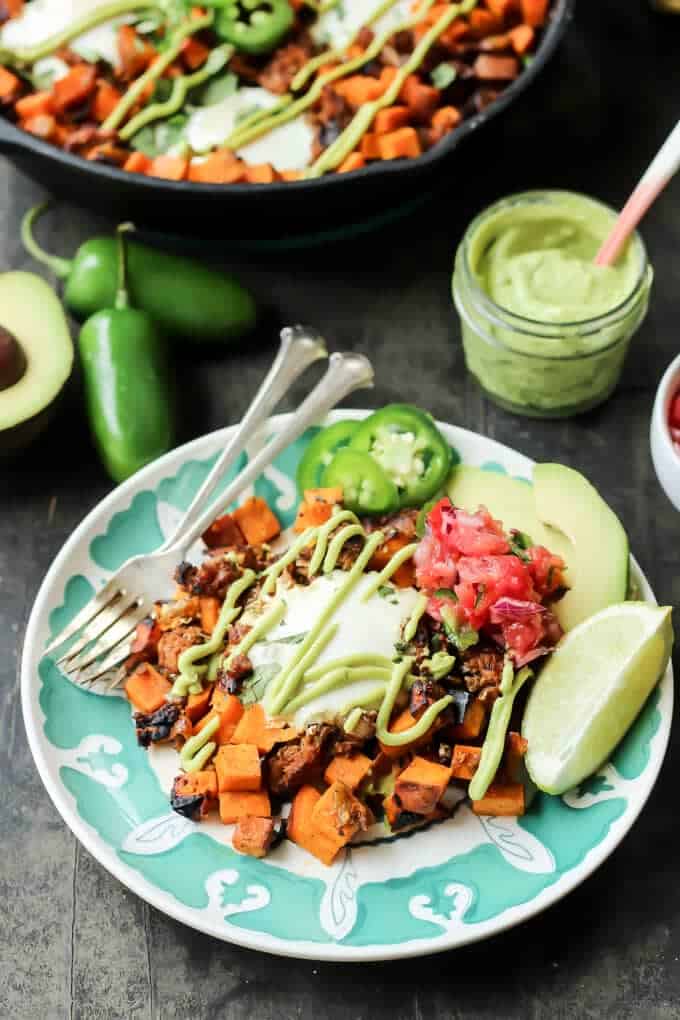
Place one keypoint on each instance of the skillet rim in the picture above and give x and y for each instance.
(13, 138)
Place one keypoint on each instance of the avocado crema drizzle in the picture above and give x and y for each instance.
(301, 680)
(289, 107)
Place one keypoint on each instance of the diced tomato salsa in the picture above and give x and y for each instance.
(486, 580)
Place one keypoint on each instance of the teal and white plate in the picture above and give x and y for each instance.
(461, 880)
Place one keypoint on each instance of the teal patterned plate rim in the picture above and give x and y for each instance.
(459, 881)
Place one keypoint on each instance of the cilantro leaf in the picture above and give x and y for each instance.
(443, 75)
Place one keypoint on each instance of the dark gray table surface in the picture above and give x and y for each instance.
(74, 942)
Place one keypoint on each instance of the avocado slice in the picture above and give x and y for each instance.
(598, 568)
(36, 357)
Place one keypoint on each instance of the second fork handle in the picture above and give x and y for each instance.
(300, 347)
(345, 373)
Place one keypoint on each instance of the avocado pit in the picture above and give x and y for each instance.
(12, 360)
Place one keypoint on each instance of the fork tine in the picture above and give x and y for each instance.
(104, 619)
(93, 608)
(114, 657)
(122, 624)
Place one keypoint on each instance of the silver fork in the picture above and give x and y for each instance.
(108, 621)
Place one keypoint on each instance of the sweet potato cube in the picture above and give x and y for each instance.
(256, 521)
(348, 769)
(311, 515)
(534, 12)
(227, 704)
(339, 815)
(404, 721)
(465, 761)
(198, 704)
(236, 805)
(255, 728)
(420, 786)
(210, 611)
(301, 830)
(146, 688)
(261, 173)
(220, 167)
(170, 168)
(494, 68)
(501, 800)
(197, 784)
(253, 835)
(238, 768)
(331, 495)
(473, 721)
(403, 143)
(355, 161)
(10, 85)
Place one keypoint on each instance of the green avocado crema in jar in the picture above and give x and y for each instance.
(545, 330)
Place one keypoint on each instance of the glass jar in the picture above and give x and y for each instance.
(544, 369)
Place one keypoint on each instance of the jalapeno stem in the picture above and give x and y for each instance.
(122, 294)
(59, 266)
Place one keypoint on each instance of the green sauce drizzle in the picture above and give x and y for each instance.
(290, 676)
(262, 627)
(305, 73)
(420, 728)
(180, 88)
(323, 534)
(154, 71)
(362, 120)
(335, 548)
(352, 720)
(26, 57)
(199, 749)
(348, 662)
(242, 137)
(272, 574)
(494, 742)
(414, 619)
(335, 678)
(188, 680)
(391, 568)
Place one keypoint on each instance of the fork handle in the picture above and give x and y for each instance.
(346, 372)
(300, 347)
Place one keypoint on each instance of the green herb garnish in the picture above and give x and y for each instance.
(254, 688)
(443, 76)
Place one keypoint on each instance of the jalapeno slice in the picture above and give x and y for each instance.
(410, 449)
(365, 487)
(254, 26)
(321, 451)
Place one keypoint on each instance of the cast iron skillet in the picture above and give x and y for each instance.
(279, 210)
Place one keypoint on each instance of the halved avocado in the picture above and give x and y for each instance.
(36, 357)
(598, 569)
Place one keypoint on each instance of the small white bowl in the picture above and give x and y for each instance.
(664, 455)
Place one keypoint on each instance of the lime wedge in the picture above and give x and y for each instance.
(591, 690)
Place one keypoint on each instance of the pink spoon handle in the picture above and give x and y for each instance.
(663, 167)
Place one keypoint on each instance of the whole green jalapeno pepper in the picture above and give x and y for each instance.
(126, 381)
(186, 300)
